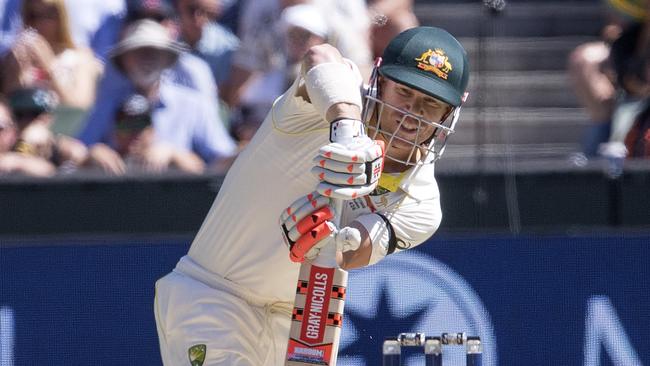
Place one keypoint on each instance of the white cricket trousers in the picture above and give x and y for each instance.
(235, 332)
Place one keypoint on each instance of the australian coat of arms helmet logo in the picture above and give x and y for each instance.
(435, 61)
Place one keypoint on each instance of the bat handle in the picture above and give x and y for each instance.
(327, 255)
(341, 131)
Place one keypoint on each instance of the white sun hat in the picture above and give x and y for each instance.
(305, 16)
(146, 33)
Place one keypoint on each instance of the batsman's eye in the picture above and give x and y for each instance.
(404, 92)
(432, 103)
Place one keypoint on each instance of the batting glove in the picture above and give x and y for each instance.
(348, 171)
(306, 228)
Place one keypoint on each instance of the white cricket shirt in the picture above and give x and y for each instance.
(241, 239)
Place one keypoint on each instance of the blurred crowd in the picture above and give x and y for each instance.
(147, 86)
(611, 77)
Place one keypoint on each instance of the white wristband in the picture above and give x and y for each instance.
(345, 128)
(331, 83)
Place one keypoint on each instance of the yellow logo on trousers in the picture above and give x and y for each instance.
(196, 354)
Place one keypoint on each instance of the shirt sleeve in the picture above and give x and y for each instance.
(210, 138)
(106, 36)
(414, 222)
(404, 228)
(198, 75)
(112, 90)
(418, 215)
(404, 223)
(10, 24)
(292, 114)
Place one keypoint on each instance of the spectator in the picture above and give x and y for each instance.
(44, 55)
(10, 25)
(7, 128)
(13, 162)
(637, 140)
(389, 18)
(629, 54)
(96, 23)
(262, 50)
(30, 147)
(190, 70)
(93, 23)
(182, 119)
(134, 139)
(593, 76)
(260, 65)
(302, 26)
(227, 14)
(207, 39)
(114, 87)
(349, 30)
(160, 11)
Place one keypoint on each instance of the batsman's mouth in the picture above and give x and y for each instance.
(411, 132)
(406, 131)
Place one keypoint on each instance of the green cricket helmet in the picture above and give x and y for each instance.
(429, 60)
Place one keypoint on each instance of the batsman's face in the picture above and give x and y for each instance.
(414, 102)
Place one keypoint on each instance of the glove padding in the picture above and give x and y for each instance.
(348, 171)
(306, 228)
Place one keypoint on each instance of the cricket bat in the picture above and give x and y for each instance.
(318, 311)
(320, 295)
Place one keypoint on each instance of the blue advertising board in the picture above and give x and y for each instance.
(551, 300)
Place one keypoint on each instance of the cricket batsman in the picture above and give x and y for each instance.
(229, 300)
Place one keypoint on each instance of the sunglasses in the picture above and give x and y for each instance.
(131, 124)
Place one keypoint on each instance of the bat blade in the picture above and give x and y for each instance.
(317, 316)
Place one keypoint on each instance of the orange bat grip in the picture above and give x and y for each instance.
(314, 219)
(307, 241)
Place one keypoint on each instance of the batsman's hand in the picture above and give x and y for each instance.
(348, 171)
(306, 228)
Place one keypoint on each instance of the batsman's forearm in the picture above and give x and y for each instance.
(360, 257)
(343, 110)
